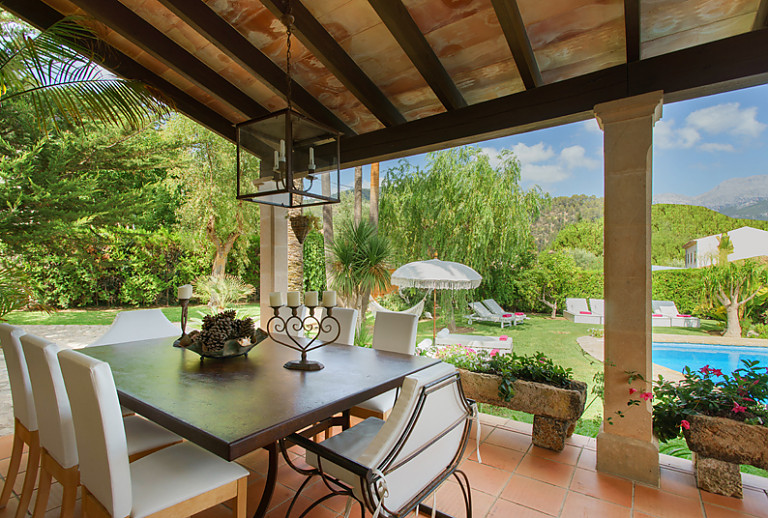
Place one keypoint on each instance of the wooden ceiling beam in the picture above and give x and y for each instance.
(401, 25)
(314, 36)
(141, 33)
(231, 42)
(632, 29)
(719, 66)
(761, 17)
(508, 13)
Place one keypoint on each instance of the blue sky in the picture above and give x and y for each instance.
(697, 145)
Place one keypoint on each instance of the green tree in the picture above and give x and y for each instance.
(549, 281)
(733, 285)
(586, 235)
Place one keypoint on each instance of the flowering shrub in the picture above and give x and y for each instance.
(510, 367)
(742, 396)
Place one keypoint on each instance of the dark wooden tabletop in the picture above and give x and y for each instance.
(232, 407)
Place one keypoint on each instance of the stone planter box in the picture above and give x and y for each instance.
(555, 410)
(720, 445)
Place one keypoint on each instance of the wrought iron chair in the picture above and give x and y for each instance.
(391, 467)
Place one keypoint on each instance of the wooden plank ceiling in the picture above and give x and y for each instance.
(398, 77)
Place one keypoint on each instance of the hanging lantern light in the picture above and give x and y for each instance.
(283, 157)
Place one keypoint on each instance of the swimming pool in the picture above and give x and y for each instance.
(724, 357)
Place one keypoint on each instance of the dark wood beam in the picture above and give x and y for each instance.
(761, 18)
(314, 36)
(141, 33)
(632, 29)
(512, 24)
(226, 38)
(410, 38)
(719, 66)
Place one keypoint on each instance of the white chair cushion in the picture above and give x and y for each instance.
(21, 390)
(395, 332)
(140, 324)
(176, 474)
(382, 403)
(143, 435)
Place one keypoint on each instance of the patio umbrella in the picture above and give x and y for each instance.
(436, 275)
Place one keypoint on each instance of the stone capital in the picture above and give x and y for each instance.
(629, 108)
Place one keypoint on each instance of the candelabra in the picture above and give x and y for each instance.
(185, 293)
(280, 330)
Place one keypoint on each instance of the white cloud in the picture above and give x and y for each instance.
(716, 146)
(667, 136)
(591, 126)
(494, 157)
(532, 154)
(727, 118)
(576, 156)
(544, 173)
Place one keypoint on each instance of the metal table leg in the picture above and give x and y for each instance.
(269, 486)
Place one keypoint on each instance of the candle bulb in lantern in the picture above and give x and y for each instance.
(293, 299)
(275, 299)
(310, 299)
(329, 299)
(312, 158)
(185, 292)
(282, 150)
(277, 161)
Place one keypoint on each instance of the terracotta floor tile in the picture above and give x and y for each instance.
(256, 489)
(318, 489)
(656, 502)
(638, 514)
(5, 464)
(450, 500)
(6, 445)
(587, 460)
(498, 457)
(534, 494)
(485, 478)
(485, 431)
(545, 470)
(56, 511)
(611, 489)
(506, 509)
(569, 455)
(9, 511)
(518, 426)
(591, 444)
(577, 504)
(257, 461)
(577, 440)
(754, 502)
(492, 420)
(683, 484)
(715, 511)
(509, 439)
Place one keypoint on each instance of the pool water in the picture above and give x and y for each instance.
(724, 357)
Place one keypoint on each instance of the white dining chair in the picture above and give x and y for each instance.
(59, 457)
(346, 327)
(396, 333)
(180, 480)
(140, 324)
(390, 467)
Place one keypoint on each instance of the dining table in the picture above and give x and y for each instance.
(234, 406)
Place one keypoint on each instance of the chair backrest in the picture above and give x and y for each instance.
(423, 437)
(18, 375)
(285, 313)
(99, 431)
(54, 417)
(576, 305)
(494, 307)
(481, 310)
(395, 332)
(597, 306)
(347, 326)
(141, 324)
(666, 308)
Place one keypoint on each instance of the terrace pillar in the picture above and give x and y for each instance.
(273, 256)
(626, 446)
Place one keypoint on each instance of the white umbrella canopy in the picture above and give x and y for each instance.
(436, 275)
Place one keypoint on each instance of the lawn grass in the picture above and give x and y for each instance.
(83, 317)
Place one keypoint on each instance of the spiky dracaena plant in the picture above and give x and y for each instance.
(56, 72)
(221, 292)
(14, 293)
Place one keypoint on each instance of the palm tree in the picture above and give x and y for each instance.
(57, 73)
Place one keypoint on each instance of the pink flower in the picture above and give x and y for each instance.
(470, 350)
(704, 370)
(685, 424)
(748, 399)
(494, 352)
(716, 372)
(737, 408)
(646, 396)
(503, 338)
(632, 390)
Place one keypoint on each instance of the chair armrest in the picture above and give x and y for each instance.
(323, 452)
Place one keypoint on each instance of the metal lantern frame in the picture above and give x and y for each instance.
(284, 180)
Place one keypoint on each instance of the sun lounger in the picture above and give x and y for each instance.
(482, 314)
(476, 342)
(576, 310)
(496, 309)
(669, 309)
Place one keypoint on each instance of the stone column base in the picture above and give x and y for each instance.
(717, 476)
(628, 457)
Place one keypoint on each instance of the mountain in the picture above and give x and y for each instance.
(563, 211)
(738, 197)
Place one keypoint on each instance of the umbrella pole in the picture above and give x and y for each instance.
(434, 317)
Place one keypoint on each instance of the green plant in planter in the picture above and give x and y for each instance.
(509, 367)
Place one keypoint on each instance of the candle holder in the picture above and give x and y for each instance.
(184, 317)
(278, 324)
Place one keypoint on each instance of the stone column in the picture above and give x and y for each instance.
(625, 445)
(273, 256)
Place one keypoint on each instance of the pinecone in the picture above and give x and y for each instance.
(217, 329)
(244, 328)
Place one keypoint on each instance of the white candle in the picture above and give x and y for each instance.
(311, 158)
(275, 299)
(277, 161)
(293, 299)
(185, 292)
(329, 299)
(310, 299)
(282, 150)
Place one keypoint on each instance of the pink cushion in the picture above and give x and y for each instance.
(658, 315)
(686, 316)
(585, 312)
(520, 314)
(507, 315)
(503, 338)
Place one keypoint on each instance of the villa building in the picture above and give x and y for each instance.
(747, 242)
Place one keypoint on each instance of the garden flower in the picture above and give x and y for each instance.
(632, 390)
(716, 372)
(646, 396)
(470, 350)
(685, 424)
(705, 369)
(494, 352)
(737, 408)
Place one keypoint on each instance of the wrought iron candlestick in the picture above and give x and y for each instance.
(295, 323)
(184, 317)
